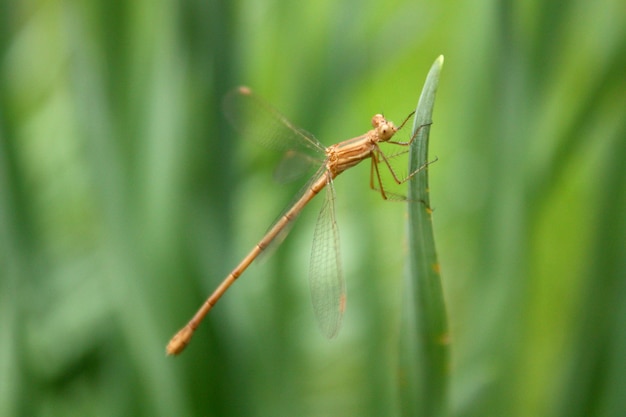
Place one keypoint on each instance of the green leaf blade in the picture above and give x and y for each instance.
(424, 353)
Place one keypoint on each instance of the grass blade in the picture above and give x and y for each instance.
(424, 351)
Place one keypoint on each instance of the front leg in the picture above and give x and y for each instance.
(374, 170)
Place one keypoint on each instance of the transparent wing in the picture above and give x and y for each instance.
(259, 121)
(328, 290)
(294, 165)
(280, 237)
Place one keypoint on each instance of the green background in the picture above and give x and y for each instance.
(125, 198)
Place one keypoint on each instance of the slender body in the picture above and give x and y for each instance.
(324, 262)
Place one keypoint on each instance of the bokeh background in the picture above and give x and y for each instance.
(125, 198)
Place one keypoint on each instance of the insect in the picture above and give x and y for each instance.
(254, 117)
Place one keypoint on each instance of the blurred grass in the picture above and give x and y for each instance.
(124, 199)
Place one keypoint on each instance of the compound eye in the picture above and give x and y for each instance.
(377, 120)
